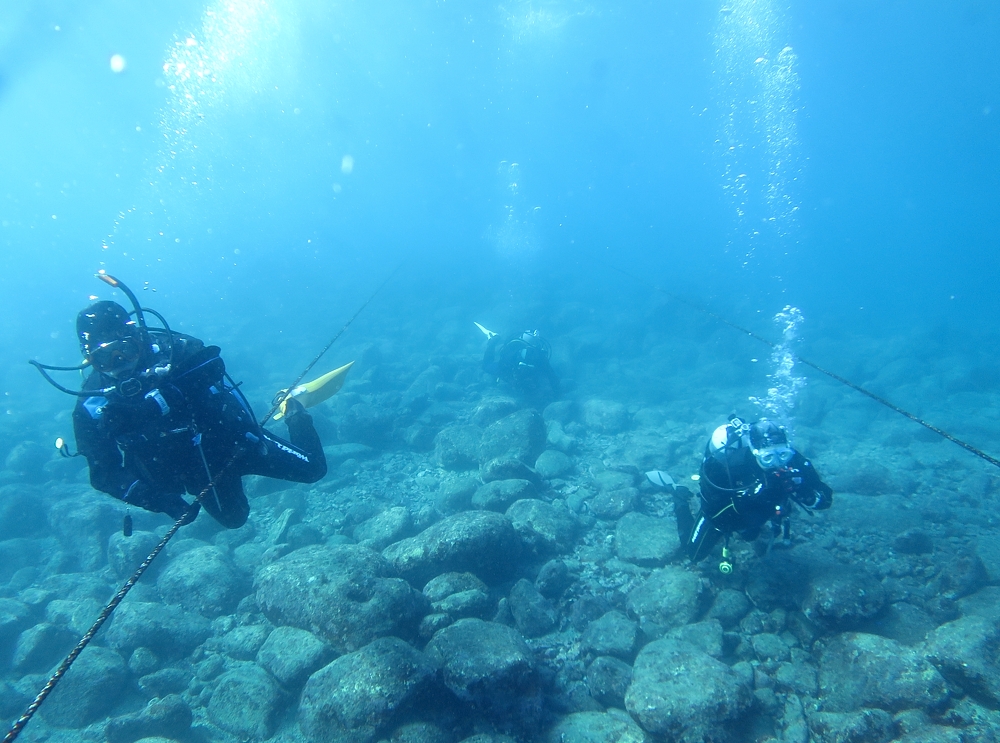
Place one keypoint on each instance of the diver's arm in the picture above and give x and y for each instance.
(811, 492)
(107, 469)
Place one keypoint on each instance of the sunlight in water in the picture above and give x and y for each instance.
(529, 19)
(756, 87)
(218, 67)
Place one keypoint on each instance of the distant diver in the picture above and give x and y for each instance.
(159, 416)
(522, 361)
(750, 476)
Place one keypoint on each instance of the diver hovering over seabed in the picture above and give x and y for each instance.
(750, 476)
(158, 416)
(522, 361)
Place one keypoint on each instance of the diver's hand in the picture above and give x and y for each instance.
(146, 497)
(180, 509)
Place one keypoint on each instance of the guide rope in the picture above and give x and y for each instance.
(848, 383)
(105, 614)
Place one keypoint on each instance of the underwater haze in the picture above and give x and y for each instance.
(655, 188)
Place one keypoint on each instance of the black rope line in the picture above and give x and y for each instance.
(68, 661)
(18, 726)
(288, 393)
(846, 382)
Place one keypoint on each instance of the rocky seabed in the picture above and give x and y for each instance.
(476, 569)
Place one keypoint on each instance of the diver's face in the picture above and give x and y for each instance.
(117, 357)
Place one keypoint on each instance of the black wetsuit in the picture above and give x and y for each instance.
(523, 364)
(184, 427)
(742, 497)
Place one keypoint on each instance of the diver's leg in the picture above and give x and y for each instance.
(682, 513)
(299, 460)
(703, 537)
(226, 502)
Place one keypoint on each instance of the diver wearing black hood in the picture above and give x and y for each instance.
(158, 416)
(522, 361)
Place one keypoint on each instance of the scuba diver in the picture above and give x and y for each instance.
(750, 476)
(522, 362)
(159, 416)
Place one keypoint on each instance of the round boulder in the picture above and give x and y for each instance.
(520, 435)
(457, 447)
(360, 696)
(858, 670)
(202, 580)
(843, 599)
(488, 665)
(613, 726)
(697, 703)
(346, 594)
(545, 528)
(89, 690)
(246, 702)
(479, 542)
(670, 597)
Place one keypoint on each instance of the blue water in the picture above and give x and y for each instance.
(513, 160)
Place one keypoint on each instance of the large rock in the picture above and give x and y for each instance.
(499, 494)
(246, 702)
(346, 594)
(167, 630)
(612, 634)
(685, 694)
(605, 416)
(670, 597)
(20, 556)
(125, 554)
(544, 528)
(611, 505)
(613, 726)
(84, 524)
(39, 647)
(864, 726)
(383, 529)
(507, 468)
(532, 612)
(202, 580)
(844, 599)
(553, 463)
(965, 652)
(15, 617)
(20, 515)
(479, 542)
(457, 447)
(359, 697)
(488, 665)
(89, 690)
(165, 718)
(520, 435)
(608, 680)
(858, 670)
(292, 655)
(646, 540)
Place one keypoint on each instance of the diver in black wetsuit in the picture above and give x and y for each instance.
(158, 416)
(750, 475)
(522, 361)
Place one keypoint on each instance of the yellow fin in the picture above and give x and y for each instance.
(320, 389)
(488, 333)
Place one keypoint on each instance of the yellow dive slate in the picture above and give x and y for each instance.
(314, 392)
